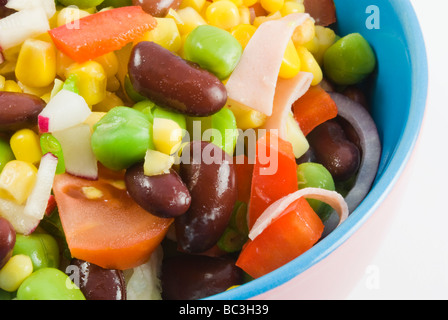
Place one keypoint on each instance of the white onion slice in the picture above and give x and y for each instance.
(332, 198)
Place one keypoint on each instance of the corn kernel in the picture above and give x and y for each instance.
(92, 81)
(26, 146)
(15, 271)
(167, 135)
(36, 65)
(46, 97)
(12, 86)
(249, 3)
(2, 83)
(17, 180)
(304, 33)
(290, 66)
(109, 62)
(246, 118)
(165, 34)
(243, 33)
(34, 91)
(111, 100)
(63, 62)
(292, 7)
(113, 84)
(190, 20)
(244, 15)
(92, 193)
(272, 5)
(238, 3)
(172, 14)
(70, 15)
(11, 54)
(93, 118)
(157, 162)
(309, 64)
(325, 38)
(223, 14)
(261, 19)
(195, 4)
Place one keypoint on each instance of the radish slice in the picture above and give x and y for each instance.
(48, 6)
(37, 201)
(21, 25)
(14, 213)
(361, 121)
(254, 80)
(332, 198)
(66, 109)
(79, 158)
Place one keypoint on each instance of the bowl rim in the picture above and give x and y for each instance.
(384, 185)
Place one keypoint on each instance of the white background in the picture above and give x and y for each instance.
(412, 262)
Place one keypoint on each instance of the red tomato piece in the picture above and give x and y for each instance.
(111, 230)
(295, 231)
(274, 174)
(102, 32)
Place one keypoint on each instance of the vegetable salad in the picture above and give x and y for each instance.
(146, 145)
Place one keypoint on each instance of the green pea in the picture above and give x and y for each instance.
(214, 49)
(225, 137)
(177, 117)
(48, 143)
(40, 247)
(6, 153)
(82, 4)
(350, 60)
(121, 138)
(115, 3)
(147, 107)
(49, 284)
(315, 175)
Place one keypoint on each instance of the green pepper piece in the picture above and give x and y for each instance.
(42, 248)
(49, 284)
(315, 175)
(71, 83)
(236, 233)
(53, 226)
(146, 107)
(349, 60)
(82, 4)
(130, 91)
(6, 153)
(115, 4)
(121, 138)
(214, 49)
(48, 143)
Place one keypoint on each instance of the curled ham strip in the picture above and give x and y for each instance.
(287, 92)
(253, 82)
(332, 198)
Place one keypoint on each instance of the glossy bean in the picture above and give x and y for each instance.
(213, 49)
(6, 153)
(210, 177)
(173, 82)
(157, 8)
(334, 151)
(190, 277)
(97, 283)
(164, 195)
(19, 110)
(49, 284)
(121, 138)
(42, 248)
(7, 241)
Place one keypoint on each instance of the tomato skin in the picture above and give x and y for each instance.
(292, 233)
(111, 231)
(274, 174)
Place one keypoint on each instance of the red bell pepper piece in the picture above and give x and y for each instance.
(274, 174)
(102, 32)
(243, 169)
(295, 231)
(313, 108)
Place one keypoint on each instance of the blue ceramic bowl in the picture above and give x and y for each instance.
(398, 99)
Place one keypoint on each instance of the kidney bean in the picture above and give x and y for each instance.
(334, 151)
(173, 82)
(164, 195)
(212, 185)
(19, 110)
(97, 283)
(7, 241)
(189, 277)
(157, 8)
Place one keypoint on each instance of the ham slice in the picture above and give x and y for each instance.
(253, 82)
(332, 198)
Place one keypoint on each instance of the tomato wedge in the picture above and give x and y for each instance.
(295, 231)
(274, 174)
(105, 31)
(103, 224)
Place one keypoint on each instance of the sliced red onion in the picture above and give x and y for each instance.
(364, 126)
(332, 198)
